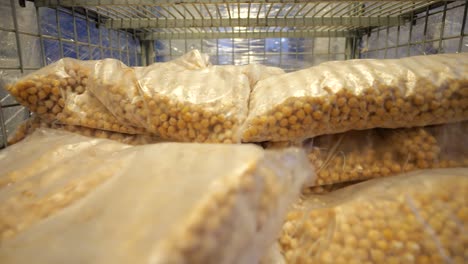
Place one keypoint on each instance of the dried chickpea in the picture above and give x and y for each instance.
(368, 223)
(436, 95)
(65, 99)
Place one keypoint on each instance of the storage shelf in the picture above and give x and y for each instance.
(196, 19)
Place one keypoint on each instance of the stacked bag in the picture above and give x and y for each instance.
(322, 130)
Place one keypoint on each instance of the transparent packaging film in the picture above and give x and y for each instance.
(160, 203)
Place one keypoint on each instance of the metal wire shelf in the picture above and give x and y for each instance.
(197, 19)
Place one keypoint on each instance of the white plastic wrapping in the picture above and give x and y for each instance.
(334, 97)
(68, 198)
(421, 217)
(254, 72)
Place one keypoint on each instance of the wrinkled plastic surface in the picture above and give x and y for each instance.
(420, 217)
(60, 92)
(30, 125)
(68, 198)
(254, 72)
(335, 97)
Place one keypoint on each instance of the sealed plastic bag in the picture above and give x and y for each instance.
(181, 100)
(160, 203)
(30, 125)
(60, 92)
(335, 97)
(117, 86)
(202, 105)
(421, 217)
(360, 155)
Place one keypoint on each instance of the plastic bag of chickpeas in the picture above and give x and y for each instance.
(420, 217)
(194, 105)
(360, 155)
(181, 100)
(159, 203)
(373, 153)
(335, 97)
(59, 92)
(30, 125)
(117, 86)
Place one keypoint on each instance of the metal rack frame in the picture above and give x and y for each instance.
(368, 29)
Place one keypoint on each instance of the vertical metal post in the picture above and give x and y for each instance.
(89, 35)
(150, 52)
(217, 51)
(397, 42)
(386, 42)
(425, 29)
(101, 51)
(127, 48)
(442, 29)
(462, 31)
(119, 46)
(281, 53)
(349, 48)
(59, 32)
(17, 36)
(41, 39)
(143, 53)
(248, 49)
(75, 35)
(408, 52)
(233, 61)
(170, 48)
(135, 49)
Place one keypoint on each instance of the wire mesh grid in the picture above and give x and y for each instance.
(442, 28)
(223, 19)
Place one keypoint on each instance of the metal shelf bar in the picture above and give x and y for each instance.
(247, 34)
(70, 3)
(137, 23)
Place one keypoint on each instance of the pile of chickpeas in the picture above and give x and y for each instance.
(360, 155)
(382, 106)
(411, 220)
(59, 92)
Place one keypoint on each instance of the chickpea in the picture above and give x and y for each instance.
(377, 225)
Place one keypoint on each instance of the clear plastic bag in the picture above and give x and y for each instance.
(118, 88)
(201, 105)
(335, 97)
(181, 100)
(159, 203)
(420, 217)
(60, 92)
(33, 123)
(360, 155)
